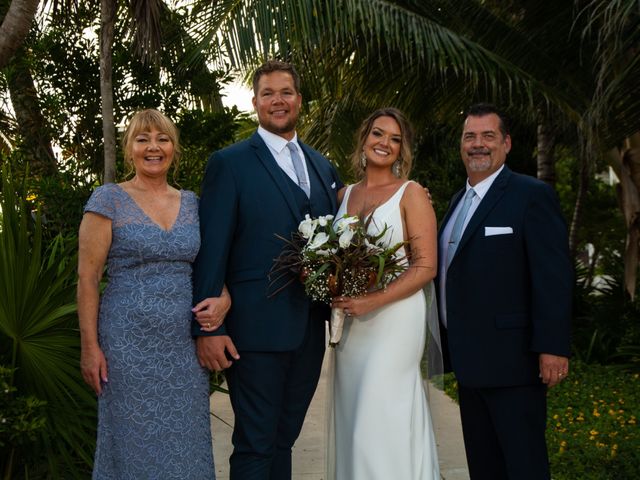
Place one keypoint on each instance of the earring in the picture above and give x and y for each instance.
(396, 169)
(363, 160)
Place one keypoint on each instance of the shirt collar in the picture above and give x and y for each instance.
(275, 142)
(481, 188)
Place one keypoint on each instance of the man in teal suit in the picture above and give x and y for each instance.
(505, 287)
(271, 346)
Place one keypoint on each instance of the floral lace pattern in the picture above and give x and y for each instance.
(153, 414)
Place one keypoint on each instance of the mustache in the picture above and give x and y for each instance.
(478, 151)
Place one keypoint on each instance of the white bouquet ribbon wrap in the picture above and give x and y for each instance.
(336, 325)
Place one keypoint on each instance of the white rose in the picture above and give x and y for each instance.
(320, 239)
(322, 221)
(307, 227)
(343, 223)
(345, 238)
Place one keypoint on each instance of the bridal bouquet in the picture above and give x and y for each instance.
(333, 258)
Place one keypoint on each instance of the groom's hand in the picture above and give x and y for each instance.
(212, 352)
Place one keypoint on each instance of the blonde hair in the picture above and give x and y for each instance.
(145, 121)
(406, 145)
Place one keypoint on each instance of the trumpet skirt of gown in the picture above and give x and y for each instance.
(382, 424)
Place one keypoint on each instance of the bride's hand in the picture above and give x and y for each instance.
(357, 306)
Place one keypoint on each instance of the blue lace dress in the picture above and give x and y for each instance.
(153, 414)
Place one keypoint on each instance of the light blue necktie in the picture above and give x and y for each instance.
(299, 168)
(456, 232)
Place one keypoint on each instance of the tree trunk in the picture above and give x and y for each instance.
(35, 138)
(107, 20)
(583, 185)
(546, 158)
(626, 163)
(15, 27)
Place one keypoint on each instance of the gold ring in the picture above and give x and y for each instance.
(208, 325)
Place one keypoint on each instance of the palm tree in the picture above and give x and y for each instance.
(615, 111)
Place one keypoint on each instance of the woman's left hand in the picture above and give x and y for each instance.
(210, 312)
(355, 306)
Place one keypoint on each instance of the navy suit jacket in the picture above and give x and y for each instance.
(508, 296)
(246, 200)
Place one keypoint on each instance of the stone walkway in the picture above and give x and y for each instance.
(308, 453)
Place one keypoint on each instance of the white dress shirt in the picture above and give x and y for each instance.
(278, 148)
(481, 189)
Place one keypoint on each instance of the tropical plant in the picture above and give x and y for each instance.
(39, 340)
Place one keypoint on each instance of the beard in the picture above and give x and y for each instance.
(479, 164)
(277, 127)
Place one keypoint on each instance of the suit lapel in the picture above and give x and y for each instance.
(494, 194)
(266, 158)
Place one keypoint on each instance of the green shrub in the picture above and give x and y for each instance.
(22, 421)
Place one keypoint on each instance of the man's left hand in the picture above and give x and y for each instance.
(553, 369)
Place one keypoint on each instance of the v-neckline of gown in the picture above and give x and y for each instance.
(148, 217)
(346, 210)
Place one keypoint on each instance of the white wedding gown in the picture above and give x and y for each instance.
(381, 422)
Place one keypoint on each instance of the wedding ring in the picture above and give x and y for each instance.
(560, 374)
(208, 325)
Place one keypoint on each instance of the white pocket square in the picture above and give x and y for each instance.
(490, 231)
(333, 186)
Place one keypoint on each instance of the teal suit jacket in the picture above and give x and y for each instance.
(246, 200)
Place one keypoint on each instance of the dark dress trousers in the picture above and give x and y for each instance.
(246, 200)
(508, 299)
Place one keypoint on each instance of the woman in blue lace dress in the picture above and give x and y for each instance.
(137, 351)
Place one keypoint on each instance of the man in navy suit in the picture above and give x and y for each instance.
(270, 345)
(505, 289)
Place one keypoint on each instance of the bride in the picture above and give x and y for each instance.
(381, 423)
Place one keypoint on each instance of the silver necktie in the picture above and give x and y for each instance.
(456, 232)
(299, 168)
